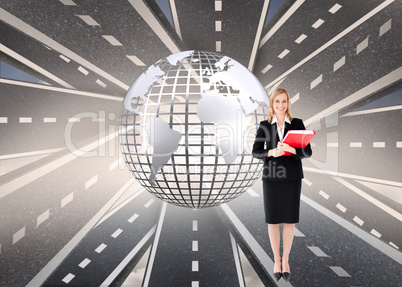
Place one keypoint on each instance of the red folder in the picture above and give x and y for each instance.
(298, 138)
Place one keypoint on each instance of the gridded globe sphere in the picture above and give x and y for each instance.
(187, 128)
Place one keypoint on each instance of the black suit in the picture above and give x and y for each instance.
(281, 175)
(282, 168)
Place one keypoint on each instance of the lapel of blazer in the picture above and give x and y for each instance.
(288, 127)
(274, 136)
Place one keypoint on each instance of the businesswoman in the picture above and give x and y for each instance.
(282, 175)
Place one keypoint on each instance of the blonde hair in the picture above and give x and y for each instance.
(271, 111)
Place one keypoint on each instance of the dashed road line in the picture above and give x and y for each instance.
(19, 235)
(195, 266)
(339, 271)
(117, 233)
(149, 203)
(84, 263)
(68, 278)
(132, 218)
(100, 248)
(91, 182)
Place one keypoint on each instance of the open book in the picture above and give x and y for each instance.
(298, 138)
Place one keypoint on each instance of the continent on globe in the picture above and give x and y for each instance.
(164, 141)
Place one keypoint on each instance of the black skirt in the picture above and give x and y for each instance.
(282, 201)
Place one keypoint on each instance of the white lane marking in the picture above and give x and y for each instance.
(371, 199)
(338, 64)
(378, 144)
(266, 69)
(49, 120)
(195, 284)
(339, 271)
(149, 203)
(218, 46)
(100, 83)
(25, 120)
(132, 218)
(218, 26)
(399, 144)
(100, 248)
(195, 225)
(31, 176)
(281, 21)
(236, 257)
(68, 278)
(49, 268)
(74, 120)
(333, 40)
(375, 233)
(218, 5)
(392, 192)
(317, 23)
(295, 98)
(19, 235)
(112, 40)
(65, 58)
(68, 2)
(3, 120)
(259, 253)
(113, 165)
(47, 41)
(298, 233)
(28, 63)
(32, 153)
(355, 144)
(194, 245)
(363, 235)
(385, 27)
(283, 54)
(323, 194)
(175, 17)
(194, 266)
(371, 111)
(82, 70)
(317, 251)
(358, 220)
(155, 25)
(335, 8)
(116, 272)
(306, 181)
(61, 90)
(84, 263)
(332, 144)
(391, 243)
(66, 200)
(353, 176)
(341, 207)
(42, 218)
(154, 246)
(136, 60)
(362, 45)
(88, 20)
(91, 182)
(316, 82)
(258, 35)
(252, 192)
(300, 38)
(117, 233)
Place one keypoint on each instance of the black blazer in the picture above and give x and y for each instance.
(281, 168)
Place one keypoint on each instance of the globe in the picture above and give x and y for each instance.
(187, 128)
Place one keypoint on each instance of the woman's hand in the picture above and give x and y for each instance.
(283, 147)
(275, 152)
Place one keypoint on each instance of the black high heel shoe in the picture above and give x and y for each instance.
(286, 276)
(278, 275)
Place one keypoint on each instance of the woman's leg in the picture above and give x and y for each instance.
(288, 233)
(275, 239)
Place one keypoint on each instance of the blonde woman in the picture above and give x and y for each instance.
(281, 177)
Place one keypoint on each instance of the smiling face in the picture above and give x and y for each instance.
(280, 104)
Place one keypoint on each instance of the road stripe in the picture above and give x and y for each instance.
(155, 25)
(42, 218)
(194, 266)
(132, 218)
(252, 192)
(175, 17)
(362, 45)
(194, 245)
(371, 199)
(154, 246)
(385, 27)
(375, 233)
(84, 263)
(237, 261)
(323, 194)
(25, 120)
(372, 111)
(335, 8)
(88, 20)
(117, 233)
(317, 23)
(68, 278)
(100, 248)
(61, 90)
(17, 23)
(363, 235)
(117, 271)
(19, 235)
(341, 207)
(66, 200)
(149, 203)
(195, 225)
(55, 262)
(317, 251)
(32, 153)
(91, 182)
(333, 40)
(339, 271)
(358, 220)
